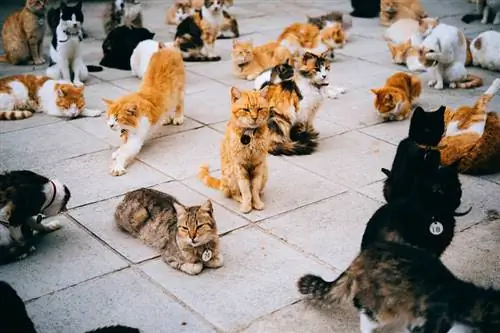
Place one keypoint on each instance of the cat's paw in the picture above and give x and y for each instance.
(484, 20)
(117, 171)
(258, 204)
(192, 269)
(453, 85)
(251, 77)
(431, 83)
(91, 113)
(39, 61)
(439, 86)
(215, 262)
(245, 207)
(78, 83)
(178, 120)
(168, 120)
(52, 225)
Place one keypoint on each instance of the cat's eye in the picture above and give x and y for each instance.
(202, 225)
(183, 228)
(246, 110)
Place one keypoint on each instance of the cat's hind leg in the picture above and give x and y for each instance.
(455, 74)
(179, 108)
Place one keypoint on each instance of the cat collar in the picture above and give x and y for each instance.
(247, 135)
(320, 85)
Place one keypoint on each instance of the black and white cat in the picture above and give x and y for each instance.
(66, 47)
(24, 197)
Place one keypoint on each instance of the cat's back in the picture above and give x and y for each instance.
(401, 30)
(166, 68)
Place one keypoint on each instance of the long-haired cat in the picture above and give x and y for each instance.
(249, 61)
(472, 137)
(24, 195)
(444, 53)
(485, 50)
(389, 283)
(22, 95)
(393, 10)
(186, 236)
(395, 99)
(178, 11)
(137, 114)
(117, 13)
(306, 37)
(22, 34)
(244, 151)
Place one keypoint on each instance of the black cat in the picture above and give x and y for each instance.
(365, 8)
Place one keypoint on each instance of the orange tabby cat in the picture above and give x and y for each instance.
(250, 61)
(302, 37)
(472, 136)
(393, 10)
(243, 151)
(22, 34)
(395, 99)
(138, 113)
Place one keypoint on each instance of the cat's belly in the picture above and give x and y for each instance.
(477, 128)
(311, 101)
(17, 98)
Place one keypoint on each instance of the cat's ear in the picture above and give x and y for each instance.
(207, 207)
(418, 110)
(78, 4)
(108, 102)
(161, 45)
(235, 94)
(179, 209)
(152, 35)
(235, 42)
(132, 110)
(442, 109)
(375, 91)
(263, 91)
(61, 91)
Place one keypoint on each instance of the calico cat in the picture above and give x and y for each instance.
(299, 38)
(116, 14)
(22, 95)
(393, 10)
(244, 151)
(485, 50)
(472, 137)
(229, 27)
(178, 11)
(22, 34)
(66, 53)
(120, 44)
(249, 61)
(365, 9)
(24, 195)
(390, 282)
(186, 236)
(485, 10)
(444, 53)
(395, 99)
(287, 136)
(138, 114)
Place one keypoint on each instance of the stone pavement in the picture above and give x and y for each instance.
(89, 274)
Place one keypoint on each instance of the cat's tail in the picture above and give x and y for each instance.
(324, 293)
(204, 176)
(15, 115)
(303, 142)
(468, 18)
(488, 95)
(93, 68)
(471, 81)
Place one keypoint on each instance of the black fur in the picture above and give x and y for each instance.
(13, 315)
(54, 15)
(365, 8)
(120, 44)
(188, 36)
(115, 329)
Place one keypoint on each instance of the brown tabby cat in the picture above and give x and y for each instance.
(244, 150)
(395, 99)
(472, 136)
(249, 60)
(393, 10)
(393, 283)
(186, 236)
(22, 34)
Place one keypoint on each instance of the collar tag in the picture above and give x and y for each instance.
(436, 228)
(207, 255)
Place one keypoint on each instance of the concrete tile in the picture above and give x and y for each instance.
(110, 74)
(103, 302)
(495, 178)
(358, 46)
(391, 132)
(277, 21)
(36, 120)
(352, 159)
(215, 72)
(341, 217)
(170, 156)
(272, 267)
(61, 140)
(211, 105)
(88, 179)
(63, 258)
(95, 93)
(356, 73)
(281, 193)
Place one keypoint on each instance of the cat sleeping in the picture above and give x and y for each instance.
(186, 236)
(23, 95)
(472, 137)
(244, 151)
(485, 50)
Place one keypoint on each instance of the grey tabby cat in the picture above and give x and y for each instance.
(186, 236)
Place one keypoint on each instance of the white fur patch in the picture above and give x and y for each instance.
(477, 127)
(141, 56)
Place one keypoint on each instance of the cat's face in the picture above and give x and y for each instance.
(71, 18)
(425, 55)
(427, 128)
(69, 99)
(242, 51)
(399, 52)
(333, 36)
(388, 100)
(315, 68)
(427, 24)
(119, 5)
(195, 225)
(250, 108)
(214, 5)
(38, 5)
(122, 114)
(285, 71)
(389, 7)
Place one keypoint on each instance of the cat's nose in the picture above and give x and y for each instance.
(323, 76)
(74, 25)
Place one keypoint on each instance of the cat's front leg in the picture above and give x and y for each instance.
(44, 227)
(90, 113)
(496, 20)
(191, 268)
(34, 50)
(438, 82)
(258, 185)
(244, 186)
(65, 71)
(216, 261)
(80, 71)
(486, 13)
(124, 154)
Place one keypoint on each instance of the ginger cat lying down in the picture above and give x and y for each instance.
(393, 10)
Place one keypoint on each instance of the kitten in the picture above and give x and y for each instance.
(117, 14)
(142, 54)
(178, 11)
(22, 34)
(406, 54)
(389, 283)
(444, 53)
(22, 95)
(365, 9)
(396, 98)
(229, 27)
(186, 236)
(249, 61)
(287, 136)
(299, 38)
(409, 29)
(485, 10)
(472, 137)
(244, 151)
(485, 50)
(120, 44)
(138, 114)
(66, 53)
(416, 154)
(24, 195)
(393, 10)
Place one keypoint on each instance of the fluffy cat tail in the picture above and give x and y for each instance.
(15, 115)
(324, 293)
(303, 142)
(204, 176)
(471, 81)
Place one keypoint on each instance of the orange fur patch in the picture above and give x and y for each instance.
(304, 35)
(393, 10)
(68, 95)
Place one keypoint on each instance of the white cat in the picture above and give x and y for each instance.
(143, 52)
(409, 29)
(485, 50)
(444, 53)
